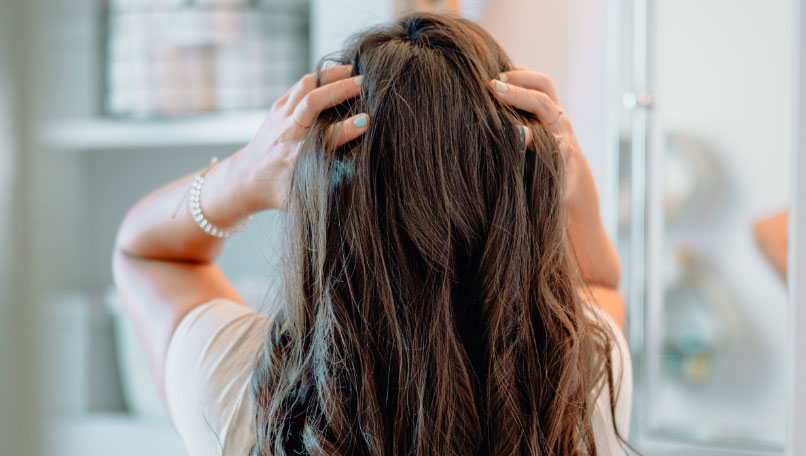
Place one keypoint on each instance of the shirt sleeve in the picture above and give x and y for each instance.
(208, 372)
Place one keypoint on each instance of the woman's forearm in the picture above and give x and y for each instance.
(160, 226)
(595, 254)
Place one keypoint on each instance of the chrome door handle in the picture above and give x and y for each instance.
(631, 100)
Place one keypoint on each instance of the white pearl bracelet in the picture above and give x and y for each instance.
(201, 220)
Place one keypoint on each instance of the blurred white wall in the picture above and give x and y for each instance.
(333, 21)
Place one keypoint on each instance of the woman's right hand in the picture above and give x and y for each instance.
(265, 165)
(535, 93)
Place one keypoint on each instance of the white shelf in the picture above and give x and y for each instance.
(101, 434)
(120, 134)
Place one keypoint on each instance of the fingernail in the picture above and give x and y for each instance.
(521, 132)
(359, 80)
(500, 86)
(503, 77)
(361, 121)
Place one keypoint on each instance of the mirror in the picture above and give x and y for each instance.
(709, 141)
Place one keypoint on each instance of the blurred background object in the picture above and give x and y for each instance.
(691, 179)
(700, 323)
(772, 238)
(179, 57)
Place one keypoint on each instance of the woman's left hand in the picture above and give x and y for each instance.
(535, 93)
(265, 165)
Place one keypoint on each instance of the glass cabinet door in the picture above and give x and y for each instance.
(704, 166)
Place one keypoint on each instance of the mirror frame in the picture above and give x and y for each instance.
(796, 249)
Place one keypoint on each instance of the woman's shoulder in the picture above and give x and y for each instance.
(208, 373)
(603, 425)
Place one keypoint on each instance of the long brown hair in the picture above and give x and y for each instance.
(431, 303)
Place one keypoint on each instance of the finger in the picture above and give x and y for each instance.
(520, 67)
(281, 101)
(525, 135)
(530, 80)
(308, 82)
(325, 97)
(348, 129)
(538, 103)
(336, 73)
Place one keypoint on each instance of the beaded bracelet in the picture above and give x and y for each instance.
(194, 198)
(201, 220)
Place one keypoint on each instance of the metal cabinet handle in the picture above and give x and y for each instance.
(631, 100)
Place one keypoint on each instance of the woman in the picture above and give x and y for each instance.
(444, 252)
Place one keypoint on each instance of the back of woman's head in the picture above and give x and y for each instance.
(431, 304)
